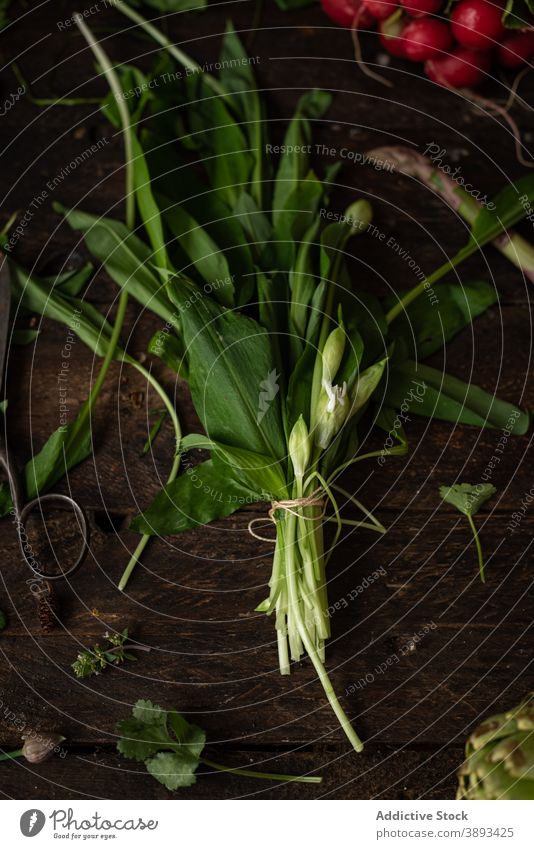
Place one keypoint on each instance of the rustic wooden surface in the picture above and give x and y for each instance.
(193, 600)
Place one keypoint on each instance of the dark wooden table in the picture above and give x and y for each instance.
(193, 599)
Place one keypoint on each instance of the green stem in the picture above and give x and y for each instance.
(116, 88)
(51, 101)
(181, 57)
(270, 776)
(479, 548)
(295, 610)
(143, 542)
(9, 756)
(440, 272)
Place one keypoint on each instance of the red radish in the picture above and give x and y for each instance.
(462, 68)
(380, 9)
(348, 13)
(477, 23)
(391, 37)
(516, 49)
(419, 8)
(425, 38)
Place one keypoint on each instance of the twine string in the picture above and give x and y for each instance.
(294, 506)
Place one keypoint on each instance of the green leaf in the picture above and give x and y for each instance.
(145, 733)
(227, 158)
(509, 207)
(237, 77)
(255, 471)
(232, 402)
(173, 770)
(388, 420)
(146, 711)
(426, 328)
(198, 496)
(253, 221)
(169, 348)
(294, 161)
(205, 255)
(3, 620)
(191, 738)
(71, 282)
(125, 257)
(466, 497)
(148, 208)
(432, 393)
(36, 295)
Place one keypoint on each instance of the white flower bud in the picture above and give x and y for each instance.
(332, 354)
(365, 385)
(332, 411)
(359, 215)
(299, 447)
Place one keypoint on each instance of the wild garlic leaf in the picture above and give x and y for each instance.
(433, 393)
(253, 221)
(509, 208)
(293, 165)
(203, 252)
(198, 496)
(237, 77)
(237, 405)
(426, 328)
(70, 282)
(260, 474)
(173, 769)
(37, 295)
(126, 258)
(466, 497)
(148, 208)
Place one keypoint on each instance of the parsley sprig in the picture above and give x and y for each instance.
(94, 661)
(171, 748)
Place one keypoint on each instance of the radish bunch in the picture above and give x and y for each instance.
(457, 51)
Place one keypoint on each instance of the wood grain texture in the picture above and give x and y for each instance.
(413, 698)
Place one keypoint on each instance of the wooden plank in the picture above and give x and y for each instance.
(380, 773)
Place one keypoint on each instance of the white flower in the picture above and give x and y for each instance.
(337, 395)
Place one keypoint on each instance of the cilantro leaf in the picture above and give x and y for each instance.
(145, 733)
(466, 497)
(190, 737)
(145, 711)
(173, 770)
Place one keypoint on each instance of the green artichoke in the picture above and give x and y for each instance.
(499, 757)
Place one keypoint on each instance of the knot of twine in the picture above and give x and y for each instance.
(291, 505)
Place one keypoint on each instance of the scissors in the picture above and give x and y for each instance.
(22, 511)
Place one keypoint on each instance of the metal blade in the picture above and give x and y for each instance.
(5, 300)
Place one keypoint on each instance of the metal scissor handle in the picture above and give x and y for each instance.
(25, 545)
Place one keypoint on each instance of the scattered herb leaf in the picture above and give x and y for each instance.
(468, 499)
